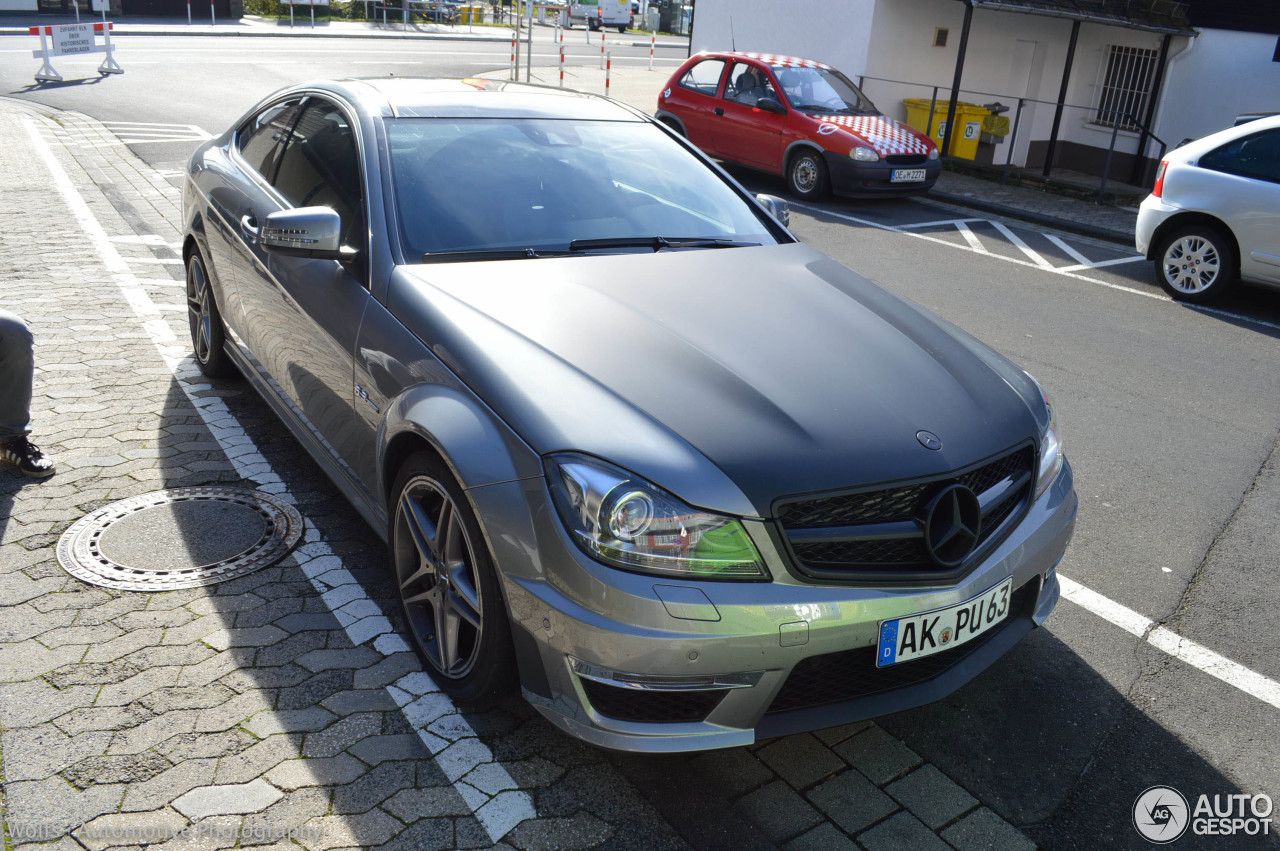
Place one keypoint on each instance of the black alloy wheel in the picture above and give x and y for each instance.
(208, 338)
(448, 588)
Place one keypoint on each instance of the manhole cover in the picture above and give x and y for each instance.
(180, 538)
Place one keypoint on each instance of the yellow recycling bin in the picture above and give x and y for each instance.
(969, 116)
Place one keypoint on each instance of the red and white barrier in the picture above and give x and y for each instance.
(72, 40)
(562, 66)
(608, 67)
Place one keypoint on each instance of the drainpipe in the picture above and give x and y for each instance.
(955, 83)
(1168, 75)
(1139, 165)
(1062, 98)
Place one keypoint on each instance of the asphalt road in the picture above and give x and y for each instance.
(1170, 419)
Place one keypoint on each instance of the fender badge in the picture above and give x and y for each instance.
(827, 129)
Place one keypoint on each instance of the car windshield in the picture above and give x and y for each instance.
(530, 187)
(822, 90)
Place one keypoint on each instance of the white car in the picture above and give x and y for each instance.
(1213, 217)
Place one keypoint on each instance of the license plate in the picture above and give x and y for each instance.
(906, 175)
(903, 639)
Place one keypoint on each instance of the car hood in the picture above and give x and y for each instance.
(885, 135)
(774, 367)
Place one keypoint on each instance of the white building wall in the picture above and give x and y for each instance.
(1223, 74)
(836, 32)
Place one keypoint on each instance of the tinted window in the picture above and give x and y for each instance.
(320, 166)
(704, 77)
(1256, 156)
(261, 136)
(543, 183)
(748, 84)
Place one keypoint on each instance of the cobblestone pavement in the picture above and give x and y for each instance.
(285, 700)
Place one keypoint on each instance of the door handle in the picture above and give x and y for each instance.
(249, 226)
(719, 111)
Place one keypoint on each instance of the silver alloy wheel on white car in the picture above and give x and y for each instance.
(1191, 264)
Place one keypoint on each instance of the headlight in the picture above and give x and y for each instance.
(1050, 447)
(933, 153)
(624, 521)
(864, 155)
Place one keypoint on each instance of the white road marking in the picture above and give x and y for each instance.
(1098, 264)
(796, 205)
(1196, 655)
(970, 237)
(1035, 256)
(1075, 255)
(440, 726)
(940, 223)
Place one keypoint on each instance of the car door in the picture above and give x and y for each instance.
(698, 99)
(256, 149)
(1250, 195)
(745, 133)
(304, 314)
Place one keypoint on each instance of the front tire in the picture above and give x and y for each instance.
(807, 175)
(1197, 264)
(448, 587)
(208, 338)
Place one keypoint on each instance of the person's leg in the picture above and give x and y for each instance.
(17, 366)
(17, 369)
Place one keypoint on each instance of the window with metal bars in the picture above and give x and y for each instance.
(1124, 86)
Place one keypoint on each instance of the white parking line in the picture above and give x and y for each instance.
(1098, 264)
(495, 798)
(1196, 655)
(796, 205)
(941, 223)
(1022, 246)
(1075, 255)
(970, 237)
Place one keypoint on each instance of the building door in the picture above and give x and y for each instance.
(1026, 68)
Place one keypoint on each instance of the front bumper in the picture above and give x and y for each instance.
(651, 664)
(872, 180)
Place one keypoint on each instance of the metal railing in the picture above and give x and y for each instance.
(1095, 116)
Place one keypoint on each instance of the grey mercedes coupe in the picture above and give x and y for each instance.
(633, 447)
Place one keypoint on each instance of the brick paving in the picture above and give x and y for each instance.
(285, 700)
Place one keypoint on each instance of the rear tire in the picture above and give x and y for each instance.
(208, 338)
(1197, 264)
(674, 126)
(807, 175)
(449, 592)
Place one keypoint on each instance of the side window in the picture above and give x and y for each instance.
(320, 165)
(260, 137)
(747, 84)
(704, 77)
(1256, 156)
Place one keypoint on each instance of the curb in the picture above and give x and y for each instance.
(1035, 218)
(119, 31)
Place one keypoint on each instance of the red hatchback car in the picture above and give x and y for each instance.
(798, 118)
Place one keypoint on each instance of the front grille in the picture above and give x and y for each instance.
(878, 534)
(651, 706)
(851, 674)
(906, 159)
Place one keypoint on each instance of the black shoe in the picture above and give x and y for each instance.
(27, 457)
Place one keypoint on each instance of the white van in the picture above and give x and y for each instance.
(601, 13)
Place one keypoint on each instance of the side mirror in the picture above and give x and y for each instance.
(776, 207)
(314, 232)
(771, 105)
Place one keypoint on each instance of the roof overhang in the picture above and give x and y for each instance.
(1157, 16)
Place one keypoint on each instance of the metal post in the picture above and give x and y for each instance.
(1106, 167)
(212, 15)
(955, 83)
(562, 66)
(1062, 98)
(933, 105)
(528, 59)
(1013, 140)
(602, 47)
(75, 4)
(653, 43)
(514, 47)
(290, 14)
(608, 67)
(313, 13)
(1136, 175)
(188, 12)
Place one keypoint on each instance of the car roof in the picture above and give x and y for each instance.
(773, 60)
(435, 97)
(1195, 148)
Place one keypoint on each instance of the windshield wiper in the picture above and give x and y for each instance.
(655, 243)
(486, 254)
